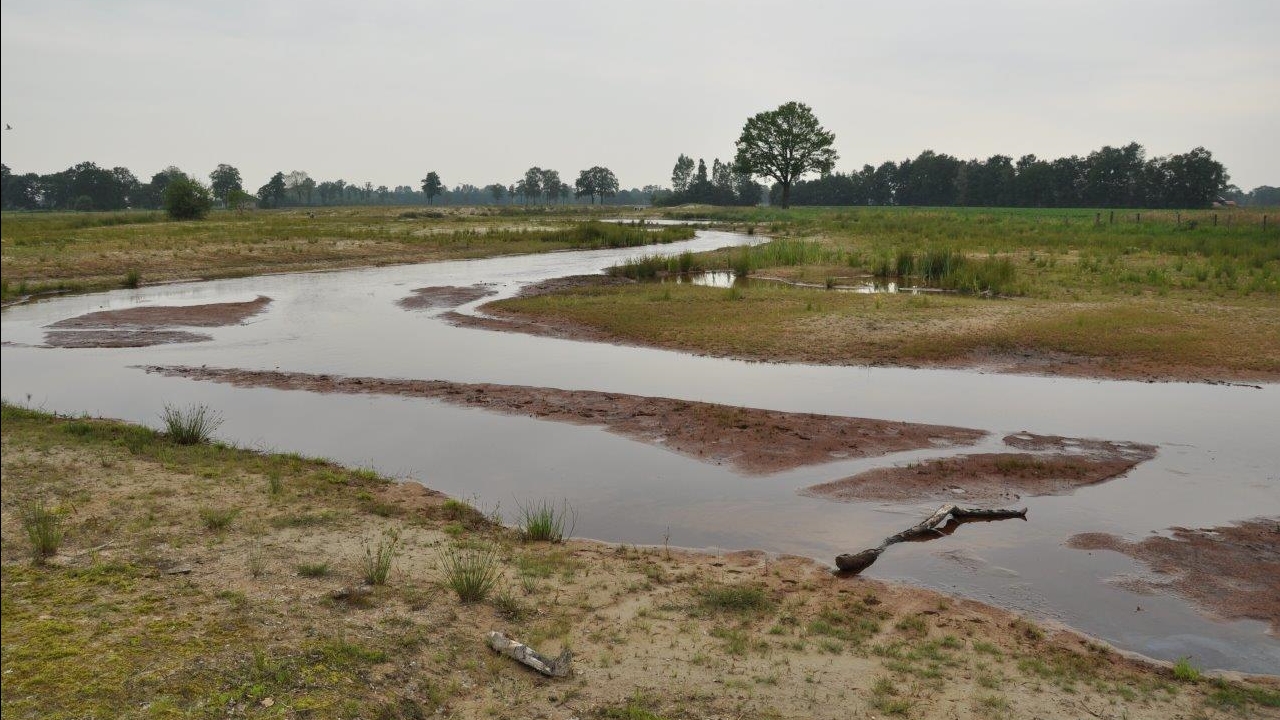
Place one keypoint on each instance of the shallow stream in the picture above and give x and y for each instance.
(1218, 458)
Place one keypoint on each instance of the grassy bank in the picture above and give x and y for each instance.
(94, 251)
(198, 580)
(1168, 295)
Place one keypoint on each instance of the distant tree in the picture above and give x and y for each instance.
(785, 144)
(1193, 179)
(239, 200)
(550, 184)
(682, 174)
(432, 187)
(301, 185)
(186, 199)
(223, 180)
(272, 194)
(531, 186)
(496, 191)
(596, 182)
(512, 190)
(1264, 195)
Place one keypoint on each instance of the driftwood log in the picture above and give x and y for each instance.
(931, 527)
(551, 667)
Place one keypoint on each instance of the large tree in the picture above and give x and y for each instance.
(186, 199)
(784, 144)
(223, 180)
(682, 174)
(596, 182)
(432, 187)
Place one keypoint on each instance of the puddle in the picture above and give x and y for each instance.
(726, 279)
(1216, 464)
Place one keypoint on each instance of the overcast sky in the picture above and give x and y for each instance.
(481, 90)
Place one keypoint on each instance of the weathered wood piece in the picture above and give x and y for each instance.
(854, 563)
(558, 667)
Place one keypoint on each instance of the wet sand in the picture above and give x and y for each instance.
(1071, 463)
(1231, 571)
(751, 440)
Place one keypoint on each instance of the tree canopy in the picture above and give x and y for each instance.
(785, 144)
(432, 187)
(187, 199)
(596, 182)
(223, 181)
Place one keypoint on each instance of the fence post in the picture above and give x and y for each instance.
(1178, 218)
(1139, 220)
(1264, 223)
(1097, 219)
(1113, 218)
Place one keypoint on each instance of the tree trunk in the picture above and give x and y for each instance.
(786, 195)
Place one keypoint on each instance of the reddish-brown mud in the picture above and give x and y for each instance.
(751, 440)
(1231, 571)
(163, 316)
(444, 296)
(119, 338)
(978, 478)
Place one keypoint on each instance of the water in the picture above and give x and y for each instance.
(1217, 460)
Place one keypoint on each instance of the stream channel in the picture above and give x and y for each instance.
(1218, 458)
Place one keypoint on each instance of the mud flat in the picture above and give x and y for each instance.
(147, 325)
(751, 440)
(120, 338)
(1231, 571)
(163, 316)
(1068, 464)
(444, 296)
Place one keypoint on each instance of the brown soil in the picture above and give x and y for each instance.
(1231, 571)
(444, 296)
(1070, 464)
(162, 316)
(119, 338)
(751, 440)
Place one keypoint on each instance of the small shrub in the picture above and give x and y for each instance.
(132, 279)
(44, 530)
(544, 522)
(275, 484)
(190, 425)
(257, 562)
(186, 199)
(217, 519)
(378, 558)
(470, 574)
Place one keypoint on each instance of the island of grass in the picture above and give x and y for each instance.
(1153, 296)
(152, 575)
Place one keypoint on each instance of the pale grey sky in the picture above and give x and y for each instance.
(479, 91)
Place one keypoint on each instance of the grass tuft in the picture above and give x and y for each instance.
(543, 521)
(217, 519)
(44, 530)
(378, 558)
(733, 599)
(469, 573)
(191, 425)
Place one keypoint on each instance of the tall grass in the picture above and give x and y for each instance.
(472, 574)
(543, 521)
(44, 530)
(590, 235)
(191, 425)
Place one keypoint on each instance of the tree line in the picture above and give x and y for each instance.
(87, 186)
(1108, 177)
